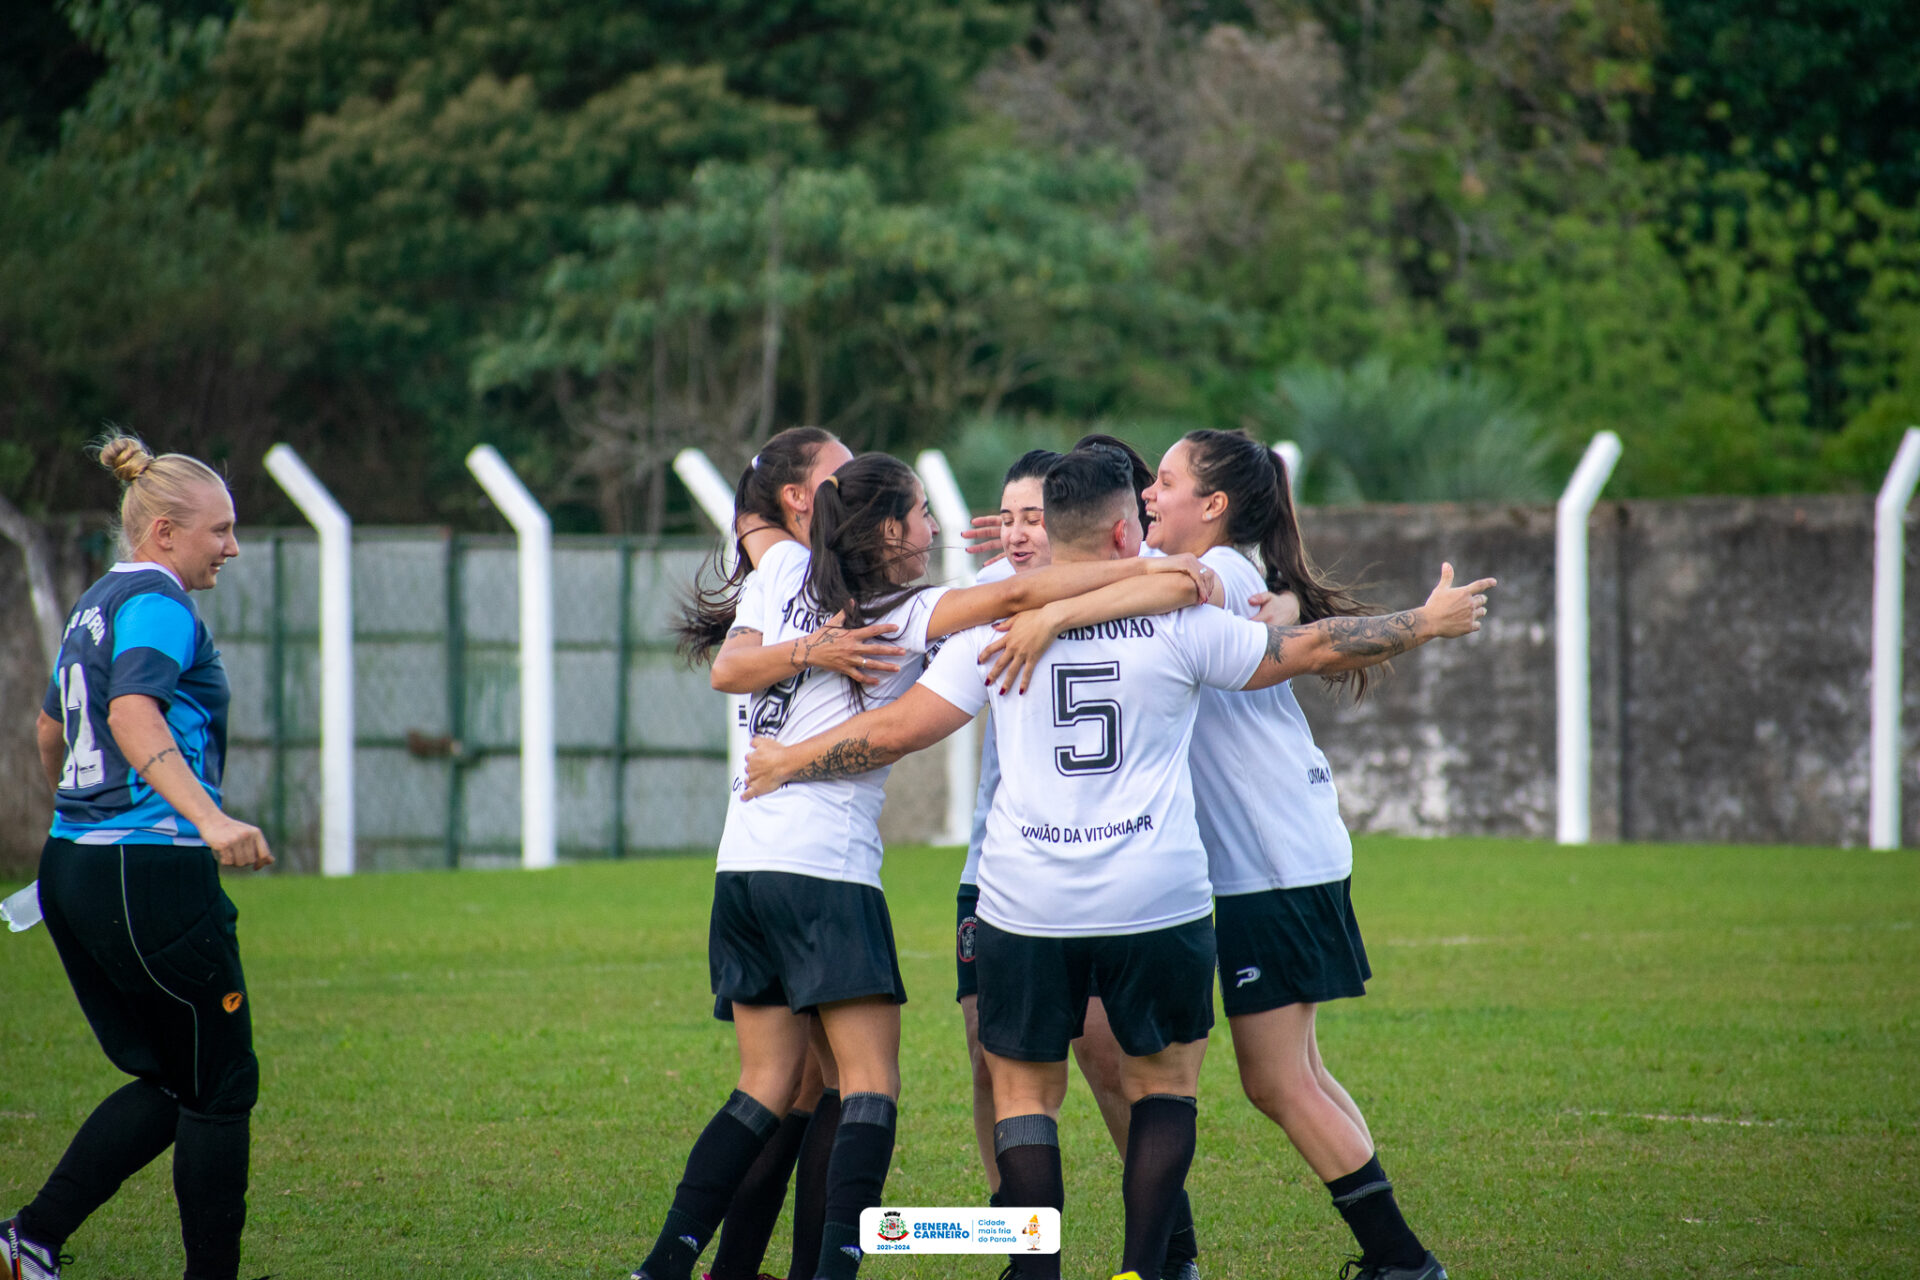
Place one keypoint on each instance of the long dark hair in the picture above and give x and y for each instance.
(1260, 513)
(1143, 475)
(853, 558)
(707, 614)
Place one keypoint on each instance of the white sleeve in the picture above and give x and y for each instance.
(750, 609)
(1223, 651)
(955, 672)
(999, 571)
(784, 566)
(913, 617)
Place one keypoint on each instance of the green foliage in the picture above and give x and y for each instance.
(165, 315)
(593, 232)
(1802, 91)
(1023, 283)
(1373, 433)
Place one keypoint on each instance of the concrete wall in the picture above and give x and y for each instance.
(1731, 648)
(1730, 671)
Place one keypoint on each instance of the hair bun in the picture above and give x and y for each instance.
(126, 457)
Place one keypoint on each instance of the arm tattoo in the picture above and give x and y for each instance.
(844, 759)
(156, 758)
(1382, 636)
(743, 631)
(803, 647)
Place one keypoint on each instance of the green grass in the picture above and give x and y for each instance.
(1626, 1061)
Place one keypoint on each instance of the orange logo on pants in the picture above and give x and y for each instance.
(231, 1002)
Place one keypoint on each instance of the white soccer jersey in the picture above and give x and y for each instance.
(1268, 811)
(998, 571)
(825, 829)
(1092, 828)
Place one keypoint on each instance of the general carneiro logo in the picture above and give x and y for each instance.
(1012, 1229)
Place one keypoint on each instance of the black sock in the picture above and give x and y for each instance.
(123, 1136)
(1183, 1246)
(1027, 1149)
(721, 1156)
(756, 1205)
(856, 1175)
(1160, 1141)
(210, 1181)
(1365, 1199)
(810, 1186)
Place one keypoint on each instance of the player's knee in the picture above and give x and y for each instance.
(233, 1091)
(1276, 1093)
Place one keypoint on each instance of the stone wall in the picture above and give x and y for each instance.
(1730, 647)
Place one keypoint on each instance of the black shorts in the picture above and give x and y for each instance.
(160, 979)
(966, 980)
(801, 941)
(1157, 988)
(1289, 946)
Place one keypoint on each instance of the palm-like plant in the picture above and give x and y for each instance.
(1374, 433)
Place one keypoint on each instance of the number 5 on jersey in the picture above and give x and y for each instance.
(1071, 707)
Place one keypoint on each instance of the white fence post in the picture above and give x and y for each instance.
(1290, 454)
(956, 570)
(1889, 621)
(715, 496)
(1571, 623)
(534, 534)
(335, 531)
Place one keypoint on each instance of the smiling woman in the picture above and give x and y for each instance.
(133, 736)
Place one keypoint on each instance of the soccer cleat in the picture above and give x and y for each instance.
(1128, 1275)
(1429, 1268)
(26, 1260)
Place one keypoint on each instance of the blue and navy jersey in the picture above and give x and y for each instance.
(134, 631)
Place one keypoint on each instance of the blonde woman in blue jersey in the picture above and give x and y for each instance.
(1278, 854)
(133, 736)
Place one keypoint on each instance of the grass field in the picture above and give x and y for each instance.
(1623, 1061)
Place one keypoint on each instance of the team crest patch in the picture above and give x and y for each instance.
(964, 941)
(892, 1225)
(232, 1001)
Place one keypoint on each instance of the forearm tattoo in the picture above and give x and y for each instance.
(844, 759)
(156, 758)
(1383, 636)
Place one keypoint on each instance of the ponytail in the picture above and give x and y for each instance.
(1260, 513)
(706, 615)
(853, 558)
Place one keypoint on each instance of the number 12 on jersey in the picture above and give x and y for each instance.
(1071, 707)
(84, 765)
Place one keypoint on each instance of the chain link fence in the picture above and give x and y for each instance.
(641, 739)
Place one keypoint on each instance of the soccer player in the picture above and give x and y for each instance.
(799, 921)
(1278, 854)
(1018, 542)
(773, 505)
(133, 735)
(1093, 870)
